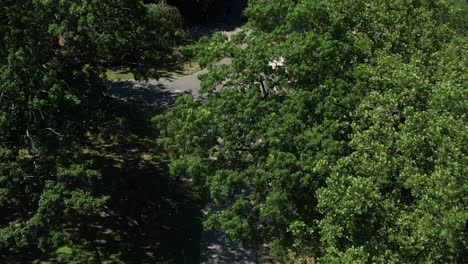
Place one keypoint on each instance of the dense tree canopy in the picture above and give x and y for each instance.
(52, 58)
(338, 132)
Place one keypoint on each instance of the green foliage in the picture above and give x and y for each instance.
(460, 16)
(401, 194)
(351, 151)
(52, 58)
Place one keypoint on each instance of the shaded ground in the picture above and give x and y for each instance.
(215, 249)
(149, 217)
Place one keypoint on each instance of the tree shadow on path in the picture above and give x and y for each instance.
(142, 93)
